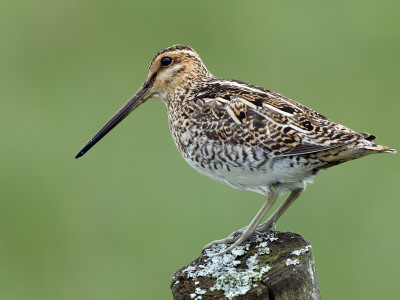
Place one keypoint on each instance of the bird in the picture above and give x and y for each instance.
(247, 137)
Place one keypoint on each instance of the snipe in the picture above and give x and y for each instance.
(242, 135)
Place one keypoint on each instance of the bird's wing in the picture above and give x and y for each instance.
(242, 114)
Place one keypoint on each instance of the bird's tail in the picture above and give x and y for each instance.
(369, 145)
(380, 148)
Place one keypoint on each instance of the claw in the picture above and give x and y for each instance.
(233, 237)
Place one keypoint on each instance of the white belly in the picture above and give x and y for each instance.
(251, 171)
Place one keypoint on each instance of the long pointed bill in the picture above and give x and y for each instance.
(138, 98)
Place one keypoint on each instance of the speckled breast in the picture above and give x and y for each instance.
(241, 167)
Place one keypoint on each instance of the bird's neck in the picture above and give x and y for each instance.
(187, 86)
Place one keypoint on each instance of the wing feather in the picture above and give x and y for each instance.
(253, 116)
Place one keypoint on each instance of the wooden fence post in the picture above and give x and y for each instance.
(268, 267)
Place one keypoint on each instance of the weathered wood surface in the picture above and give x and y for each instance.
(280, 267)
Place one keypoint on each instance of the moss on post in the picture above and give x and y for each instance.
(267, 267)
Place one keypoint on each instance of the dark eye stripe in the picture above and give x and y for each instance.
(166, 61)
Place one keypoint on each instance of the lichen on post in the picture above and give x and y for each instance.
(279, 266)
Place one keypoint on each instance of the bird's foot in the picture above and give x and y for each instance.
(240, 236)
(231, 239)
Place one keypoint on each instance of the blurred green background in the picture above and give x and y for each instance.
(118, 222)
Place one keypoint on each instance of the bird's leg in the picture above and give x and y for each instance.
(269, 225)
(245, 233)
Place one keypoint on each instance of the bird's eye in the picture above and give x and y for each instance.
(166, 61)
